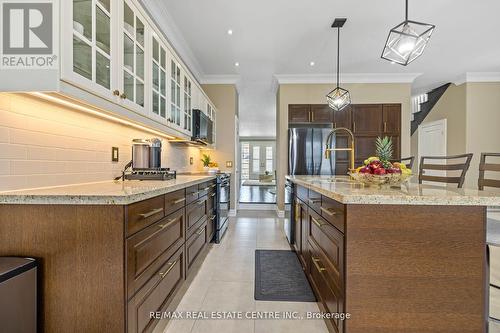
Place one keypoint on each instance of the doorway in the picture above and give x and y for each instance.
(432, 142)
(258, 172)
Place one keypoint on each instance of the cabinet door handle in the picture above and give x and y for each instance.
(166, 225)
(312, 116)
(212, 218)
(385, 126)
(316, 262)
(200, 231)
(354, 126)
(175, 202)
(213, 194)
(334, 125)
(116, 92)
(151, 213)
(171, 265)
(328, 212)
(319, 224)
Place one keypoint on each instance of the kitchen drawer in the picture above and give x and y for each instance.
(195, 211)
(314, 201)
(331, 298)
(211, 227)
(303, 193)
(196, 244)
(192, 194)
(149, 248)
(141, 214)
(494, 265)
(333, 212)
(211, 202)
(331, 243)
(204, 188)
(156, 294)
(494, 303)
(174, 201)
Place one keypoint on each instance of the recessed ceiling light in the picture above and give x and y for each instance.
(237, 64)
(312, 63)
(230, 32)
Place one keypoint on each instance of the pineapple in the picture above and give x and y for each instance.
(384, 151)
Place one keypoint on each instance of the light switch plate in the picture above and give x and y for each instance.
(115, 154)
(191, 161)
(229, 164)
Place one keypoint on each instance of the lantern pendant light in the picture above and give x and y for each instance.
(339, 97)
(407, 41)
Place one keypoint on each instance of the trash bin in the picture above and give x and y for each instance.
(18, 295)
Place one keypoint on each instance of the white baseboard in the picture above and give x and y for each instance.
(257, 207)
(232, 212)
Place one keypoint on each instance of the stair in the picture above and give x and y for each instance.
(424, 104)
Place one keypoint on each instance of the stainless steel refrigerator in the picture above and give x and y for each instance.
(306, 148)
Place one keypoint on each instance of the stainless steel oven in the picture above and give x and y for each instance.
(223, 205)
(289, 224)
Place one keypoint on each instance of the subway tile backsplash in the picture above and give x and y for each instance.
(44, 144)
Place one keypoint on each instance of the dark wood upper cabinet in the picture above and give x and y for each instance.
(321, 114)
(343, 118)
(367, 119)
(392, 118)
(299, 113)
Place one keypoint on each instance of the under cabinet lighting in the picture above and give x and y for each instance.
(237, 64)
(312, 63)
(97, 113)
(230, 32)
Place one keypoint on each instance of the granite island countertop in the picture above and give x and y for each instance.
(347, 191)
(102, 193)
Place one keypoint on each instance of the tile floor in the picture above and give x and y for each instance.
(225, 282)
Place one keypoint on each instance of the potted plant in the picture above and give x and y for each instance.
(206, 160)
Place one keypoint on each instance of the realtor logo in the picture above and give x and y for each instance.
(27, 34)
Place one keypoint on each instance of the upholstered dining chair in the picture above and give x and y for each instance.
(457, 164)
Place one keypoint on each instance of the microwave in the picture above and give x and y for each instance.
(202, 128)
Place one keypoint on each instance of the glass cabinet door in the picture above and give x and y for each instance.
(159, 86)
(133, 31)
(188, 112)
(91, 46)
(175, 93)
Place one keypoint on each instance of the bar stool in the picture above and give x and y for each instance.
(460, 166)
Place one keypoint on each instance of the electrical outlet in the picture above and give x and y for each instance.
(115, 154)
(229, 164)
(191, 161)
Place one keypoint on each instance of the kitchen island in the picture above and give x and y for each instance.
(405, 259)
(110, 252)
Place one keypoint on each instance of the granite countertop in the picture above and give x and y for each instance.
(103, 193)
(346, 191)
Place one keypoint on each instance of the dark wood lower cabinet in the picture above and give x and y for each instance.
(395, 268)
(105, 268)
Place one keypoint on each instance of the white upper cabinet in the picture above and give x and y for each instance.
(113, 57)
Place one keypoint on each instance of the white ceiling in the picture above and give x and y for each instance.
(283, 36)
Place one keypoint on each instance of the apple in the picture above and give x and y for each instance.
(379, 171)
(365, 169)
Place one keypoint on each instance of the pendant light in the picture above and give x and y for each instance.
(339, 97)
(407, 41)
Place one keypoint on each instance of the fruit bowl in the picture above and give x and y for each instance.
(390, 179)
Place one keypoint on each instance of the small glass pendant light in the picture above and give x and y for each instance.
(407, 41)
(339, 97)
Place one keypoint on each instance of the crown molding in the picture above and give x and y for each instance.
(477, 77)
(164, 21)
(348, 78)
(220, 79)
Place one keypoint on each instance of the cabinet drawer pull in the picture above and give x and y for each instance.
(171, 265)
(205, 189)
(175, 202)
(328, 212)
(166, 225)
(212, 186)
(319, 224)
(195, 193)
(213, 194)
(212, 218)
(151, 213)
(201, 202)
(316, 262)
(314, 201)
(200, 231)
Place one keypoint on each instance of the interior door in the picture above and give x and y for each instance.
(432, 142)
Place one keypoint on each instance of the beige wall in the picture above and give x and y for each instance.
(452, 107)
(483, 124)
(315, 94)
(45, 144)
(472, 111)
(225, 98)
